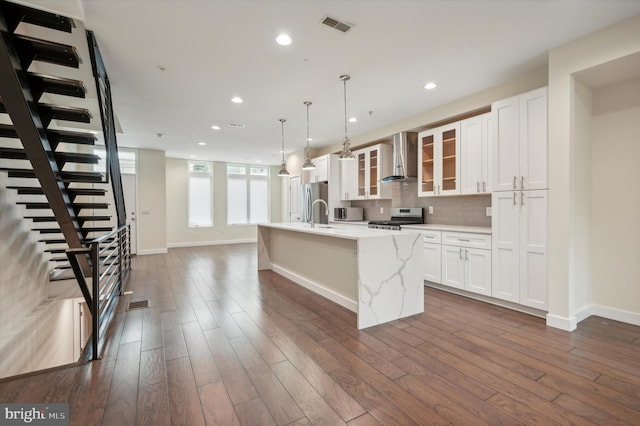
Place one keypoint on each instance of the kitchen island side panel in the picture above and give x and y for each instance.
(321, 261)
(389, 278)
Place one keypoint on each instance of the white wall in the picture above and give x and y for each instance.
(598, 48)
(152, 202)
(179, 234)
(582, 223)
(36, 332)
(616, 197)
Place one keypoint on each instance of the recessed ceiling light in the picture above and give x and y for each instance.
(215, 127)
(430, 85)
(237, 125)
(258, 161)
(192, 156)
(283, 39)
(237, 100)
(202, 143)
(309, 139)
(353, 120)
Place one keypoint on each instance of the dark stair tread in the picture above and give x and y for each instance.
(50, 112)
(34, 205)
(77, 157)
(35, 49)
(61, 157)
(82, 219)
(55, 250)
(53, 241)
(91, 205)
(97, 229)
(67, 136)
(47, 230)
(15, 13)
(54, 136)
(39, 219)
(87, 177)
(13, 153)
(36, 190)
(41, 83)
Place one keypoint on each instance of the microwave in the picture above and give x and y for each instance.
(348, 213)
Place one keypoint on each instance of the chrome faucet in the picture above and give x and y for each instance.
(326, 208)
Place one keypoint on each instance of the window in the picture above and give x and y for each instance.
(200, 194)
(247, 194)
(127, 161)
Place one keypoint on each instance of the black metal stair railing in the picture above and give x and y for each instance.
(110, 257)
(108, 126)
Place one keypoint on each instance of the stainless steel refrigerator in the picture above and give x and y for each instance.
(310, 193)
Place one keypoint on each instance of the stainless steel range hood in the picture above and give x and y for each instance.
(405, 157)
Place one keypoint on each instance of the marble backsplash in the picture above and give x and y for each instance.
(469, 210)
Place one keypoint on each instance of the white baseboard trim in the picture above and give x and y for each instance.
(566, 324)
(341, 300)
(615, 314)
(211, 243)
(152, 251)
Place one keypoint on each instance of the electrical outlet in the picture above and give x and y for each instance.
(430, 209)
(381, 210)
(489, 211)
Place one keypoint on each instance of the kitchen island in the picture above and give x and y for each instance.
(375, 273)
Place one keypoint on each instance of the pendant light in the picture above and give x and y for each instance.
(346, 153)
(283, 167)
(308, 164)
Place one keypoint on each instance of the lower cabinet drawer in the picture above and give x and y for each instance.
(465, 239)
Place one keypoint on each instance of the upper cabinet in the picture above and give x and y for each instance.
(475, 138)
(519, 150)
(439, 161)
(371, 164)
(321, 172)
(348, 190)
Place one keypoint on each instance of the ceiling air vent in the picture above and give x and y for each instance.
(334, 23)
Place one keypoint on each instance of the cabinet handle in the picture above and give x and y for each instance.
(522, 198)
(461, 256)
(466, 254)
(429, 236)
(477, 186)
(515, 182)
(484, 186)
(463, 240)
(515, 202)
(521, 182)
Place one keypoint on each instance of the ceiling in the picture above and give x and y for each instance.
(174, 65)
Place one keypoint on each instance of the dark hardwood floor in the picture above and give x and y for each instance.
(223, 344)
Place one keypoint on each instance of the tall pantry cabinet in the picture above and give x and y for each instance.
(519, 199)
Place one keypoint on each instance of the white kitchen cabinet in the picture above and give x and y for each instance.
(475, 137)
(348, 190)
(372, 164)
(519, 240)
(439, 161)
(321, 172)
(519, 148)
(432, 256)
(466, 262)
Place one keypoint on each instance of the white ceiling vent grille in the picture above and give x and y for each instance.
(334, 23)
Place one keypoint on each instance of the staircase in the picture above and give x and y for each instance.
(46, 150)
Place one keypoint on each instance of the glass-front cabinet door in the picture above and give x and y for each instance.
(426, 160)
(361, 160)
(374, 179)
(450, 159)
(439, 159)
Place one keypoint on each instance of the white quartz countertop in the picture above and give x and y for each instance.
(451, 228)
(430, 227)
(333, 230)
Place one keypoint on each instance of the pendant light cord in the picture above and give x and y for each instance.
(344, 81)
